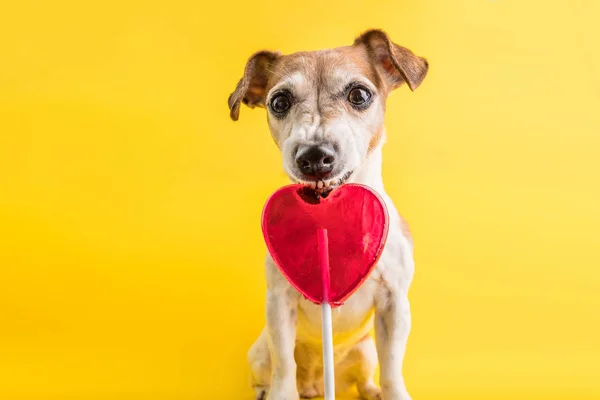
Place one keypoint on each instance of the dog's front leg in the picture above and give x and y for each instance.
(392, 326)
(281, 332)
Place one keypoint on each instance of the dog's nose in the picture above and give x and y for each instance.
(315, 161)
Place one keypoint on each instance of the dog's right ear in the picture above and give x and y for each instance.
(397, 63)
(252, 88)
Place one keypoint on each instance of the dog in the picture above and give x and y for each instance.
(325, 111)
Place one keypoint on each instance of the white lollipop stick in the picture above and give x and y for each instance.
(327, 332)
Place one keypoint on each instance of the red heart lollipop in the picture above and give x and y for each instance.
(356, 221)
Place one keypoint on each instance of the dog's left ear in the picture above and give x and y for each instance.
(397, 63)
(252, 88)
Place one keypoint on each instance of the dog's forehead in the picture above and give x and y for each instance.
(330, 67)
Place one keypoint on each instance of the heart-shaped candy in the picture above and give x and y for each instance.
(357, 225)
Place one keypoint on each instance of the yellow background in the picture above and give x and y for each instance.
(130, 247)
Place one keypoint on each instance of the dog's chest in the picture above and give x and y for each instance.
(351, 321)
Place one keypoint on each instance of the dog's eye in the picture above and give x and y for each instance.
(359, 96)
(281, 103)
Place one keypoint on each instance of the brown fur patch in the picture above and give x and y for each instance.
(375, 139)
(315, 65)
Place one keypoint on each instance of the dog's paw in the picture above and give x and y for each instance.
(369, 391)
(394, 394)
(278, 394)
(282, 396)
(309, 392)
(374, 394)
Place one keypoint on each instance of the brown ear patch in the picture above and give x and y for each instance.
(397, 63)
(252, 87)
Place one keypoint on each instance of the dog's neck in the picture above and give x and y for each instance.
(369, 172)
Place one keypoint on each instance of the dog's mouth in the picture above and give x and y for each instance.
(323, 187)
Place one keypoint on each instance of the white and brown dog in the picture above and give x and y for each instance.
(326, 113)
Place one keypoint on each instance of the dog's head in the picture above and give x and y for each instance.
(326, 108)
